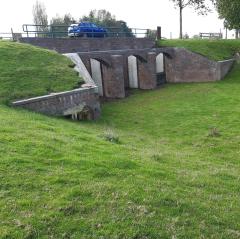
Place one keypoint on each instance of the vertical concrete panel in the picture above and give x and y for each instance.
(132, 72)
(81, 67)
(147, 72)
(125, 71)
(113, 78)
(160, 63)
(97, 75)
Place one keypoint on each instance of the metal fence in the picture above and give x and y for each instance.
(210, 35)
(61, 31)
(11, 36)
(6, 36)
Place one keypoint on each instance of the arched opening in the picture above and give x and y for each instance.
(133, 72)
(96, 71)
(85, 114)
(160, 69)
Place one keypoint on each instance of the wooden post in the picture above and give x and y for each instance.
(159, 33)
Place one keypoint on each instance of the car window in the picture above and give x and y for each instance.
(83, 24)
(86, 24)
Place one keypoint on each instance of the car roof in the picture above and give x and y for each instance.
(87, 23)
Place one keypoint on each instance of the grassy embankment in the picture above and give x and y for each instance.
(217, 50)
(172, 171)
(27, 71)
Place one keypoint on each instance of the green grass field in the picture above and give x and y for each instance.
(159, 164)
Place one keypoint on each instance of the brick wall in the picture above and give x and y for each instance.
(187, 66)
(60, 103)
(70, 45)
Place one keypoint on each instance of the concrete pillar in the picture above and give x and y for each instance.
(113, 78)
(147, 72)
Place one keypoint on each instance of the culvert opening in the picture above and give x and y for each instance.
(84, 115)
(160, 69)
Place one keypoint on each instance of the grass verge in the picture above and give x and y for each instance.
(216, 50)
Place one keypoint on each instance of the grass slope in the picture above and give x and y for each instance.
(213, 49)
(27, 71)
(173, 173)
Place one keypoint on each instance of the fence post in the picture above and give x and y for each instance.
(51, 30)
(148, 33)
(12, 34)
(159, 33)
(27, 31)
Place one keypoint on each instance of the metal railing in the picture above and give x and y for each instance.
(211, 35)
(61, 31)
(6, 36)
(11, 36)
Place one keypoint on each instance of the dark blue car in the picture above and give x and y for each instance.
(86, 29)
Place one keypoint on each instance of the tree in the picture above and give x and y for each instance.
(40, 17)
(99, 17)
(67, 20)
(199, 5)
(229, 11)
(59, 25)
(106, 19)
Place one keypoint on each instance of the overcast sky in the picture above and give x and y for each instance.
(145, 14)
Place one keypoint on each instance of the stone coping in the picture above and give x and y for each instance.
(225, 61)
(53, 95)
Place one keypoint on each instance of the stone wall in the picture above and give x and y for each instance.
(69, 103)
(187, 66)
(71, 45)
(223, 68)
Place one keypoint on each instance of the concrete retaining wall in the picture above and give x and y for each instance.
(187, 66)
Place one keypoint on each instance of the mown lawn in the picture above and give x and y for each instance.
(217, 50)
(158, 164)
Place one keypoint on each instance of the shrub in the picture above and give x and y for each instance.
(111, 136)
(214, 132)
